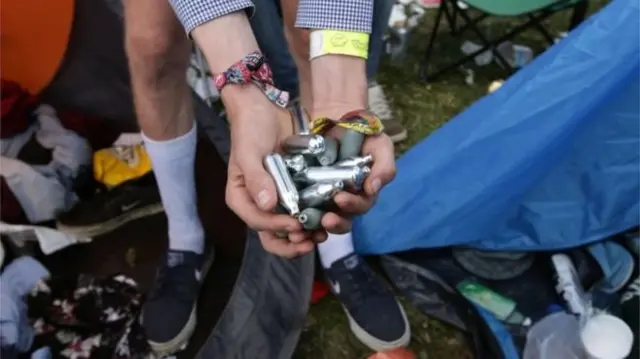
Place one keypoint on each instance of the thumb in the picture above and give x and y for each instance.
(259, 184)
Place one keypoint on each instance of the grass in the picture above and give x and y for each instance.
(422, 108)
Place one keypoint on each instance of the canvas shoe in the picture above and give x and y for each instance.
(379, 105)
(169, 314)
(111, 209)
(375, 316)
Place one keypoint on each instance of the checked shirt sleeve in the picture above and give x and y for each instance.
(193, 13)
(345, 15)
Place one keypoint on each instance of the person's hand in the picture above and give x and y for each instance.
(256, 131)
(383, 170)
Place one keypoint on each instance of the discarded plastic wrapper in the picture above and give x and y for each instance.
(50, 240)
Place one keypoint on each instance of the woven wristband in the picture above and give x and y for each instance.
(361, 121)
(253, 69)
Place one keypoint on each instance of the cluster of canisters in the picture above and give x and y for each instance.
(312, 170)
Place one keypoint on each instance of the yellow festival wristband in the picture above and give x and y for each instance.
(335, 42)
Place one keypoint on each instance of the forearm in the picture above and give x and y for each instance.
(221, 30)
(223, 50)
(339, 85)
(339, 82)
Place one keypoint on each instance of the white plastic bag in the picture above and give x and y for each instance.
(556, 336)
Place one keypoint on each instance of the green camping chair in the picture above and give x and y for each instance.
(534, 10)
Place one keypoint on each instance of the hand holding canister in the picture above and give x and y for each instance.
(324, 171)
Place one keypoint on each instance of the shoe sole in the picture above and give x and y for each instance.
(399, 137)
(95, 230)
(182, 339)
(377, 344)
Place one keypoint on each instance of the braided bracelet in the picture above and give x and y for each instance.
(253, 69)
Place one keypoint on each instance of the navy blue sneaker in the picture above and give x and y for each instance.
(375, 316)
(169, 314)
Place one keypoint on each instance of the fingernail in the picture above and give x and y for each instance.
(375, 185)
(263, 198)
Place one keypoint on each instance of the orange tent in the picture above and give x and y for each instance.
(33, 39)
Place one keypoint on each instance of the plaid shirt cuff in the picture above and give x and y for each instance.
(346, 15)
(193, 13)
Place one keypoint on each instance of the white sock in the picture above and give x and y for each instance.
(336, 246)
(173, 164)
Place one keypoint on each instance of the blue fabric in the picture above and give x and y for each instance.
(548, 161)
(42, 353)
(17, 280)
(616, 263)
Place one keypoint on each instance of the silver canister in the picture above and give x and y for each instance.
(311, 218)
(351, 144)
(355, 161)
(305, 144)
(330, 154)
(351, 177)
(287, 191)
(319, 193)
(296, 163)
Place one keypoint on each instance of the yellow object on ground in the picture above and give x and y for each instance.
(112, 166)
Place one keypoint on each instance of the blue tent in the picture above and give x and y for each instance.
(549, 161)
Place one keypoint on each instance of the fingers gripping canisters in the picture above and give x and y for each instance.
(312, 170)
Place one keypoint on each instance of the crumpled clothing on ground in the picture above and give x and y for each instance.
(88, 317)
(22, 126)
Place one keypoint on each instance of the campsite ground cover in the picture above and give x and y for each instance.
(422, 109)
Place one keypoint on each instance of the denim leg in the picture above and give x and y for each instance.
(381, 14)
(266, 23)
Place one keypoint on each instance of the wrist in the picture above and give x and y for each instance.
(238, 98)
(248, 103)
(335, 111)
(339, 85)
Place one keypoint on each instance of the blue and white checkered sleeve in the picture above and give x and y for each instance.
(193, 13)
(346, 15)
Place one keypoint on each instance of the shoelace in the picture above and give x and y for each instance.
(379, 104)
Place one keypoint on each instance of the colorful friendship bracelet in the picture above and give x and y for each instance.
(253, 69)
(362, 121)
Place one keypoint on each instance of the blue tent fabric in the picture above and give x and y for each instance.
(549, 161)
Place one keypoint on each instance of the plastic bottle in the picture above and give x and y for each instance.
(503, 308)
